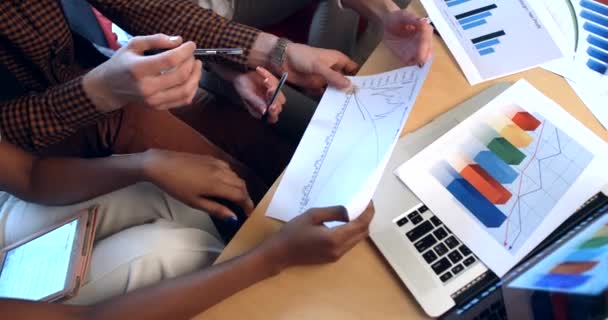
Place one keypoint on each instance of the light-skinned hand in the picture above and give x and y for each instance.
(256, 88)
(408, 36)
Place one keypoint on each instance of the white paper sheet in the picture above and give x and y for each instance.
(563, 165)
(518, 35)
(347, 144)
(591, 87)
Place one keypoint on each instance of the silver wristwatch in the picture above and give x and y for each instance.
(278, 54)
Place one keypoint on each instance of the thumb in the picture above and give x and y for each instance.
(155, 41)
(333, 77)
(322, 215)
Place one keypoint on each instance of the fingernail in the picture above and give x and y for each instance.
(420, 65)
(233, 219)
(174, 38)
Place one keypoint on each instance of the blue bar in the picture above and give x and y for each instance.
(487, 213)
(594, 17)
(486, 44)
(456, 2)
(594, 6)
(486, 51)
(598, 54)
(474, 24)
(475, 17)
(598, 42)
(497, 168)
(561, 281)
(596, 30)
(597, 67)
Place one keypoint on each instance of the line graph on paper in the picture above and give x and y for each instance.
(363, 129)
(511, 173)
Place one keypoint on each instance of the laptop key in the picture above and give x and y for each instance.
(401, 222)
(452, 242)
(429, 256)
(412, 215)
(464, 250)
(423, 209)
(440, 233)
(425, 243)
(457, 269)
(441, 249)
(440, 266)
(417, 219)
(436, 221)
(419, 231)
(445, 277)
(455, 256)
(469, 261)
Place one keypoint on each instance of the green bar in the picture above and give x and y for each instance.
(594, 243)
(506, 151)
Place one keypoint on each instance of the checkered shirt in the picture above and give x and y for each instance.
(37, 48)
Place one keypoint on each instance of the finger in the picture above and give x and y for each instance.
(276, 108)
(175, 77)
(352, 242)
(177, 96)
(264, 73)
(168, 60)
(156, 41)
(322, 215)
(349, 67)
(357, 226)
(332, 77)
(215, 209)
(257, 105)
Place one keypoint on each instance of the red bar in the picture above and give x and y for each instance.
(526, 121)
(485, 184)
(604, 2)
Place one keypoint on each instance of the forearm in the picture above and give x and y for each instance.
(63, 181)
(184, 297)
(371, 9)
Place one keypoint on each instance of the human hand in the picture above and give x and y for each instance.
(256, 88)
(408, 36)
(305, 240)
(314, 68)
(162, 81)
(196, 180)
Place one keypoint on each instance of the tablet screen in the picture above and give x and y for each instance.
(40, 267)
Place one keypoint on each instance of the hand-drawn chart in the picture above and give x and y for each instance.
(348, 138)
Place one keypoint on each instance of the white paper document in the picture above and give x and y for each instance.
(347, 144)
(584, 30)
(490, 39)
(509, 175)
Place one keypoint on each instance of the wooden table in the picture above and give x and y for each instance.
(362, 285)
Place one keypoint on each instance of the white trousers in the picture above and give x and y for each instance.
(143, 237)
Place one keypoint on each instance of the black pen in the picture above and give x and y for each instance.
(276, 94)
(202, 52)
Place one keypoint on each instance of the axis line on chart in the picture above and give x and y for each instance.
(521, 181)
(539, 188)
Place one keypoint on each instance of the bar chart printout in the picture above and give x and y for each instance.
(578, 266)
(492, 38)
(511, 172)
(594, 16)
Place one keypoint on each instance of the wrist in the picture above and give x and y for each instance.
(150, 164)
(261, 51)
(275, 256)
(97, 92)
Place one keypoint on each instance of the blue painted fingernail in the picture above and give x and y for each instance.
(233, 219)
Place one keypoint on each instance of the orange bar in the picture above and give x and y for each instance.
(573, 267)
(485, 184)
(526, 121)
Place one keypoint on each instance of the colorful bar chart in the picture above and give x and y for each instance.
(486, 43)
(595, 15)
(475, 18)
(479, 183)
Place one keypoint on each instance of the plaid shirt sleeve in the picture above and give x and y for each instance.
(183, 18)
(36, 121)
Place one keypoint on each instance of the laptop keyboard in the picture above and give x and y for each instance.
(444, 253)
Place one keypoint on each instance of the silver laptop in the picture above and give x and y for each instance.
(432, 262)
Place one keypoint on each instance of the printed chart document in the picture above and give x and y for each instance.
(584, 30)
(509, 175)
(490, 39)
(347, 144)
